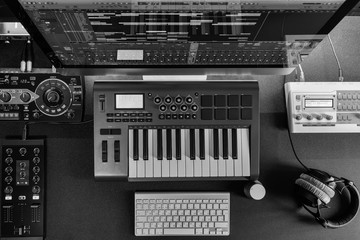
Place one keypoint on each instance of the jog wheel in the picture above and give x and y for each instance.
(54, 97)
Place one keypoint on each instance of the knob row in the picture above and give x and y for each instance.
(6, 97)
(177, 100)
(313, 116)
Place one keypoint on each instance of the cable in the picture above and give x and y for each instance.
(291, 141)
(341, 77)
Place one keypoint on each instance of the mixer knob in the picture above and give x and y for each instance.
(36, 115)
(5, 96)
(319, 117)
(298, 117)
(329, 117)
(309, 117)
(8, 190)
(70, 115)
(52, 97)
(25, 97)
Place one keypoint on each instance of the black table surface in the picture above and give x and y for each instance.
(78, 207)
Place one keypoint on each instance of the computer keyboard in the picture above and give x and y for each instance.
(182, 213)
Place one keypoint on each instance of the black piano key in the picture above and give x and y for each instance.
(136, 144)
(192, 144)
(145, 143)
(159, 145)
(234, 143)
(202, 144)
(225, 143)
(216, 144)
(168, 144)
(178, 144)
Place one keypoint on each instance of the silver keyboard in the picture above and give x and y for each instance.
(182, 213)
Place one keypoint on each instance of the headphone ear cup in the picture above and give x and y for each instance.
(317, 192)
(319, 184)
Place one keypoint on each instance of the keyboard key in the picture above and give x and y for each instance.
(159, 145)
(202, 144)
(145, 145)
(192, 144)
(168, 144)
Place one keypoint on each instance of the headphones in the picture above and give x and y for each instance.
(316, 188)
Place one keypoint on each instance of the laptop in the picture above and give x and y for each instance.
(180, 37)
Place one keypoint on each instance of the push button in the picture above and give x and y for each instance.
(220, 114)
(206, 101)
(206, 114)
(233, 100)
(246, 113)
(220, 101)
(233, 114)
(246, 100)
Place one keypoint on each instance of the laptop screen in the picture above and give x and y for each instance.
(185, 33)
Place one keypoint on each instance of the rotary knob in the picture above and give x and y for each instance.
(309, 117)
(25, 97)
(298, 117)
(5, 96)
(52, 97)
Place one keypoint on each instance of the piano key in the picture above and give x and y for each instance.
(221, 161)
(145, 145)
(206, 162)
(168, 144)
(181, 163)
(156, 161)
(136, 144)
(202, 144)
(189, 164)
(225, 143)
(245, 147)
(192, 144)
(238, 160)
(216, 143)
(159, 144)
(149, 170)
(178, 144)
(173, 162)
(165, 165)
(140, 163)
(197, 161)
(213, 162)
(229, 161)
(132, 162)
(234, 143)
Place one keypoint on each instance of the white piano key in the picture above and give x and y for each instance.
(245, 151)
(173, 163)
(238, 161)
(230, 160)
(132, 162)
(140, 162)
(181, 163)
(156, 162)
(221, 161)
(165, 165)
(189, 163)
(197, 161)
(149, 171)
(213, 162)
(206, 162)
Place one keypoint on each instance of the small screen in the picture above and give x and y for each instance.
(318, 103)
(129, 101)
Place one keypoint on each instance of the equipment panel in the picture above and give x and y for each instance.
(40, 97)
(323, 107)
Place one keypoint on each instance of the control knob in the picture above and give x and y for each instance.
(5, 96)
(36, 115)
(70, 115)
(298, 117)
(319, 117)
(329, 117)
(52, 97)
(25, 97)
(309, 117)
